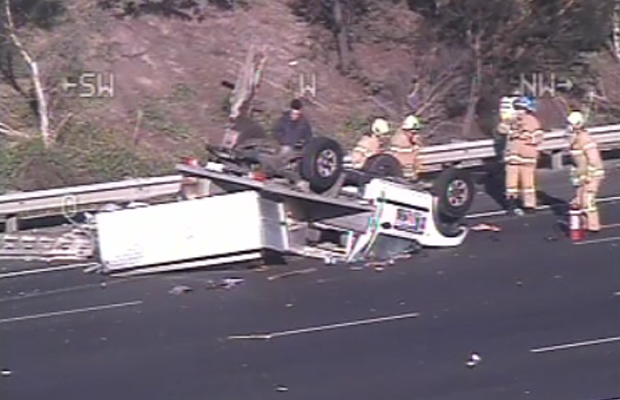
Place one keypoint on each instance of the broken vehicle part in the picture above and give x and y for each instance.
(76, 244)
(486, 227)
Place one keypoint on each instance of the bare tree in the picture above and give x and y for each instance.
(341, 31)
(335, 15)
(476, 83)
(42, 109)
(248, 81)
(8, 131)
(616, 29)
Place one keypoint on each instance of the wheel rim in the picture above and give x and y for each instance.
(458, 192)
(326, 163)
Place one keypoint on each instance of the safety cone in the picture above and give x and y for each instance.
(575, 226)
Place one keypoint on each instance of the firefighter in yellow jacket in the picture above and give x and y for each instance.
(371, 144)
(589, 172)
(523, 138)
(405, 146)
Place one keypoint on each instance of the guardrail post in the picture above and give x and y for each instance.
(557, 160)
(195, 188)
(11, 224)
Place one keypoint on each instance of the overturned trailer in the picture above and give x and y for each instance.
(236, 210)
(240, 219)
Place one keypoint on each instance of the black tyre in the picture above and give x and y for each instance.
(448, 226)
(321, 163)
(383, 166)
(455, 191)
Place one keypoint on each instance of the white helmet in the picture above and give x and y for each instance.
(411, 123)
(380, 126)
(576, 118)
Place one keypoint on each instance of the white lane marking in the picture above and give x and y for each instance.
(68, 312)
(486, 214)
(35, 295)
(325, 327)
(617, 294)
(601, 240)
(546, 207)
(577, 344)
(44, 270)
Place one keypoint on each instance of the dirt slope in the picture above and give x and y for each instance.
(170, 71)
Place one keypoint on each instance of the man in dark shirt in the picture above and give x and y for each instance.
(293, 129)
(292, 132)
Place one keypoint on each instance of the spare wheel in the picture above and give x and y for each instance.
(321, 163)
(383, 165)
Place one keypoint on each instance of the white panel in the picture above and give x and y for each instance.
(275, 232)
(180, 231)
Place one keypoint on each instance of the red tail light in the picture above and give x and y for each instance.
(192, 161)
(258, 176)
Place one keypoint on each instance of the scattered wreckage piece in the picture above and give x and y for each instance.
(244, 219)
(76, 244)
(473, 360)
(486, 227)
(291, 273)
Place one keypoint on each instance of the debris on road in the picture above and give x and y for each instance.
(494, 239)
(109, 207)
(474, 359)
(281, 388)
(136, 204)
(292, 273)
(486, 228)
(230, 282)
(327, 280)
(376, 264)
(226, 283)
(330, 260)
(74, 245)
(180, 289)
(93, 268)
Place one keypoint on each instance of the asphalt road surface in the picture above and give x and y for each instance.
(542, 313)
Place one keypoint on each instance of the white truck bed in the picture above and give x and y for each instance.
(235, 227)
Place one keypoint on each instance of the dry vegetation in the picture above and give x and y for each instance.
(168, 98)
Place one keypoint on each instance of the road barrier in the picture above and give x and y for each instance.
(474, 152)
(433, 158)
(72, 199)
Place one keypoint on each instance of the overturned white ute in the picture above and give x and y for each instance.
(239, 219)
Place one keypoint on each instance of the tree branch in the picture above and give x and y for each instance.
(10, 132)
(616, 29)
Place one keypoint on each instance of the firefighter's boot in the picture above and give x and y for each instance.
(512, 207)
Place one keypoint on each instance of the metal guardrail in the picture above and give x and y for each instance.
(123, 191)
(148, 188)
(555, 141)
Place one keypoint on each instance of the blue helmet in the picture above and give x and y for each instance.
(526, 102)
